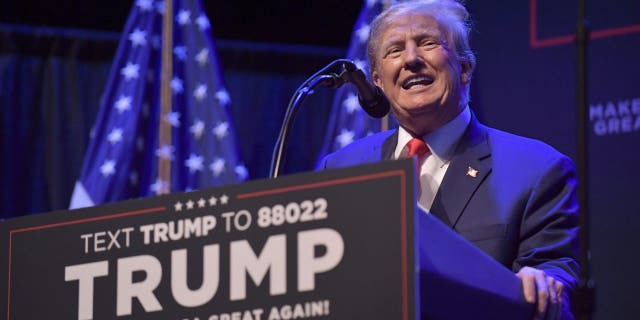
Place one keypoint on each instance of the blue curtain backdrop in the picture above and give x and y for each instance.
(51, 81)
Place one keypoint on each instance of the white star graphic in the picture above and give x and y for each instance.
(183, 17)
(221, 130)
(138, 38)
(130, 71)
(145, 5)
(200, 92)
(197, 129)
(194, 163)
(345, 137)
(180, 52)
(201, 203)
(178, 206)
(223, 97)
(203, 22)
(351, 103)
(160, 187)
(115, 136)
(363, 33)
(224, 199)
(202, 57)
(173, 118)
(108, 168)
(213, 201)
(123, 104)
(189, 204)
(241, 172)
(176, 85)
(165, 152)
(217, 166)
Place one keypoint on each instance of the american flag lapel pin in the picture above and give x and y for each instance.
(471, 172)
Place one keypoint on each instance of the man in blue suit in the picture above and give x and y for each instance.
(513, 197)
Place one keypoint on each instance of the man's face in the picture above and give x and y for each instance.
(419, 73)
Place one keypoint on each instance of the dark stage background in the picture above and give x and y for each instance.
(51, 81)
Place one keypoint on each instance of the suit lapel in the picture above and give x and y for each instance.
(469, 167)
(389, 146)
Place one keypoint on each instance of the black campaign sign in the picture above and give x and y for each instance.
(329, 245)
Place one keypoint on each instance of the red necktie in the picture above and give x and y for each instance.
(417, 147)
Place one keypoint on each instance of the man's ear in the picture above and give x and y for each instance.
(375, 77)
(465, 72)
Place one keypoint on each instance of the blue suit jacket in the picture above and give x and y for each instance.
(520, 208)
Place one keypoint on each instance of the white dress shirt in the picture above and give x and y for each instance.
(442, 143)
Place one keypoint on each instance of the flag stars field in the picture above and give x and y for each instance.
(145, 5)
(184, 17)
(223, 97)
(138, 38)
(194, 163)
(200, 93)
(159, 187)
(202, 57)
(347, 121)
(123, 104)
(130, 71)
(176, 85)
(165, 152)
(242, 172)
(180, 52)
(202, 130)
(203, 22)
(351, 103)
(217, 166)
(115, 136)
(197, 129)
(363, 33)
(221, 130)
(173, 118)
(108, 168)
(345, 137)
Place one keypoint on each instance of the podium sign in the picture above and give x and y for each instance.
(327, 245)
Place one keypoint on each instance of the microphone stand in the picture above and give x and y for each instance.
(585, 292)
(330, 76)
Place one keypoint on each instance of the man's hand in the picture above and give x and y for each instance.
(543, 290)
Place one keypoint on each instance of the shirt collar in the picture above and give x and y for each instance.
(441, 142)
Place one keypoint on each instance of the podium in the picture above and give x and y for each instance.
(340, 244)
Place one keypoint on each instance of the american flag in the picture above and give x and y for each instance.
(121, 161)
(348, 122)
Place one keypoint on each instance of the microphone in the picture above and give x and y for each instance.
(370, 96)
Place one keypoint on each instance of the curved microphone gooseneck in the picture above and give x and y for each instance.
(334, 75)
